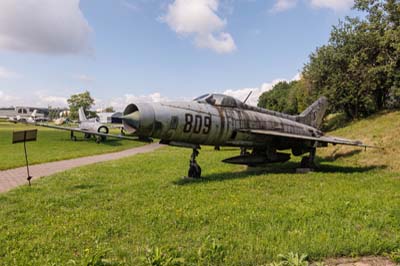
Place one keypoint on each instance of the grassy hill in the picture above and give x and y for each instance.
(381, 130)
(138, 209)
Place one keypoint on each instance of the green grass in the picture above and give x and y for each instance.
(123, 211)
(52, 145)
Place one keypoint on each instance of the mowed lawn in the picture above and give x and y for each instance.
(52, 145)
(113, 213)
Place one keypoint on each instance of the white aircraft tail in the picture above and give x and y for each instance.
(314, 114)
(33, 115)
(82, 116)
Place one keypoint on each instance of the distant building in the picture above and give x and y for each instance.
(23, 111)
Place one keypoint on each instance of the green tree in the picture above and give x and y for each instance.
(286, 97)
(359, 69)
(77, 101)
(109, 109)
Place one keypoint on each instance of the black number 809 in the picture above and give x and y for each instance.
(197, 124)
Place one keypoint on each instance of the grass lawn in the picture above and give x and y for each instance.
(52, 145)
(113, 212)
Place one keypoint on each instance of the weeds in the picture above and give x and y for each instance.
(211, 253)
(156, 257)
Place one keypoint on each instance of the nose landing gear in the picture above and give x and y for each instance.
(194, 168)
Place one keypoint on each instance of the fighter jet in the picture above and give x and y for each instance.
(221, 120)
(89, 127)
(26, 119)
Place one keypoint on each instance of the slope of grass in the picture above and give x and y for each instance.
(382, 131)
(52, 145)
(113, 212)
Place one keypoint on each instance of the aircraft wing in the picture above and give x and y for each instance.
(74, 129)
(323, 139)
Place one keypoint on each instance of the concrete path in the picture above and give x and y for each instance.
(12, 178)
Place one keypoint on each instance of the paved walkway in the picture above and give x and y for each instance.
(12, 178)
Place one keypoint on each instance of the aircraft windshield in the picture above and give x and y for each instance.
(218, 100)
(202, 97)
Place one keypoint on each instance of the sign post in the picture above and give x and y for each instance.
(25, 136)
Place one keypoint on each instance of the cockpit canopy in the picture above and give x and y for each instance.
(219, 100)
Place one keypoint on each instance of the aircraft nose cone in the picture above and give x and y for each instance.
(139, 119)
(131, 122)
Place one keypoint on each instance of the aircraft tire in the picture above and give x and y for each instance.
(194, 171)
(103, 129)
(306, 163)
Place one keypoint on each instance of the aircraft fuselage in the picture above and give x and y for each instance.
(199, 123)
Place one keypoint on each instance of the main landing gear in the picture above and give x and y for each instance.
(194, 168)
(73, 137)
(309, 161)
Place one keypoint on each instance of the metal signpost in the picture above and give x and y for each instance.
(25, 136)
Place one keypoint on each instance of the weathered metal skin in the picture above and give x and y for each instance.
(207, 124)
(221, 120)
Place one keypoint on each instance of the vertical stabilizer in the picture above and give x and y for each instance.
(33, 115)
(314, 114)
(82, 116)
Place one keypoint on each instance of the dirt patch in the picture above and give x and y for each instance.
(363, 261)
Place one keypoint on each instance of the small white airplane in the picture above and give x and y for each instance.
(89, 127)
(33, 118)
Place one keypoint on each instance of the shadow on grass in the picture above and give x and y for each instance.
(286, 168)
(335, 156)
(108, 142)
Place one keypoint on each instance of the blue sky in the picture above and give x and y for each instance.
(137, 50)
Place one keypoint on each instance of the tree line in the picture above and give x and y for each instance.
(358, 69)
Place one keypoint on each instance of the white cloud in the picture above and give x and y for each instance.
(44, 98)
(241, 94)
(282, 5)
(8, 74)
(296, 77)
(7, 100)
(337, 5)
(84, 78)
(120, 103)
(37, 99)
(54, 101)
(198, 18)
(130, 6)
(43, 26)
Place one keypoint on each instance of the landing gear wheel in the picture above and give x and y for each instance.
(308, 161)
(305, 162)
(194, 168)
(194, 171)
(73, 138)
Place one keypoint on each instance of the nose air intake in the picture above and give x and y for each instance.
(131, 118)
(139, 119)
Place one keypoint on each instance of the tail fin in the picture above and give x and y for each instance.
(82, 116)
(314, 114)
(33, 115)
